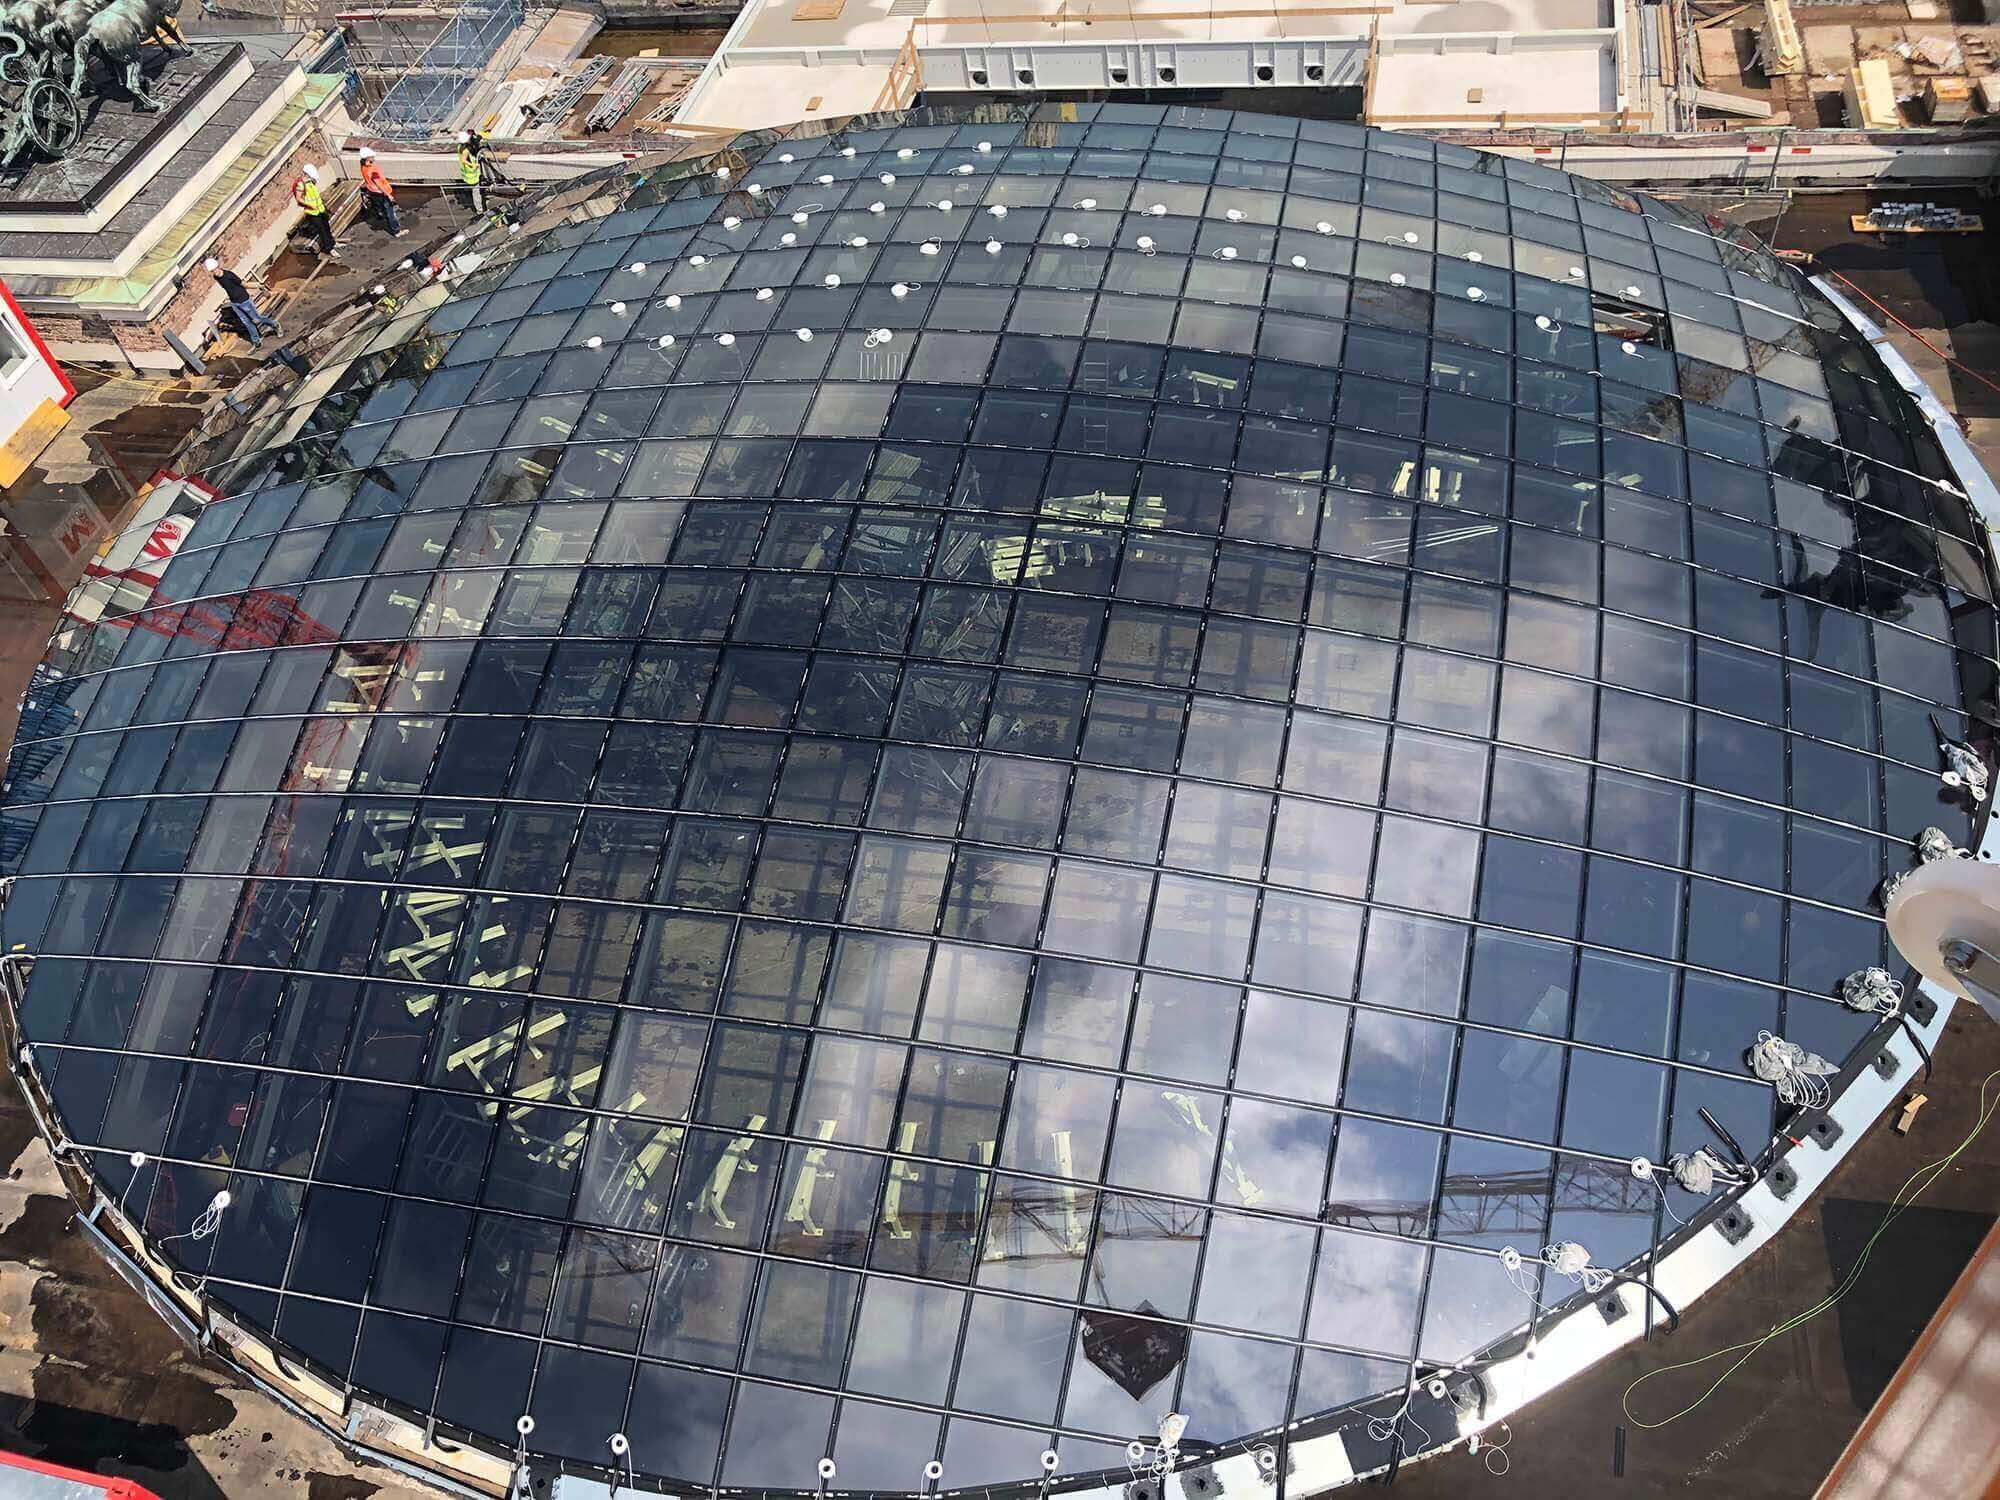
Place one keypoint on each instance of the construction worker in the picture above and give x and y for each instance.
(379, 191)
(249, 317)
(306, 193)
(472, 168)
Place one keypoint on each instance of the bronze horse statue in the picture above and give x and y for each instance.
(31, 39)
(45, 52)
(116, 31)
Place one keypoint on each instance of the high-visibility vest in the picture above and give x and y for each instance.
(306, 191)
(468, 166)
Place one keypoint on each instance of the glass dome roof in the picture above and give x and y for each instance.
(924, 792)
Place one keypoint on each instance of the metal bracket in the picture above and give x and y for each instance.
(1783, 1180)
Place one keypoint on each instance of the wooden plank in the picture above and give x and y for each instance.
(1368, 115)
(1733, 104)
(818, 10)
(1930, 1432)
(1719, 17)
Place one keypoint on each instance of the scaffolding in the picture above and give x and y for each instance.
(431, 87)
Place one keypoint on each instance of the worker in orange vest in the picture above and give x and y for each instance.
(379, 191)
(306, 193)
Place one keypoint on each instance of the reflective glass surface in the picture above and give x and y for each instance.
(997, 775)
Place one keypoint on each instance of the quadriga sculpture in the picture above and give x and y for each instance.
(114, 30)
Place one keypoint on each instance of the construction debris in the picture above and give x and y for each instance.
(620, 97)
(1908, 1116)
(554, 107)
(1947, 100)
(1733, 104)
(1915, 218)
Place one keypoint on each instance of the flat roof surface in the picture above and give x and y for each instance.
(754, 95)
(1460, 85)
(879, 23)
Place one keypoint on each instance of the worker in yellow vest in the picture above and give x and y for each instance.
(306, 193)
(471, 169)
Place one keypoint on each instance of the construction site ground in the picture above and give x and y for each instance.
(89, 1376)
(1834, 39)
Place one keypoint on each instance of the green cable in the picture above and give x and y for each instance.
(1746, 1351)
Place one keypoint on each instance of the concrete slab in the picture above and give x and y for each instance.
(563, 38)
(1724, 53)
(1829, 49)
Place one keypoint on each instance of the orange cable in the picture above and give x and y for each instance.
(1948, 359)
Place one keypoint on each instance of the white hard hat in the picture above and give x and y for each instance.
(366, 152)
(466, 136)
(312, 171)
(211, 264)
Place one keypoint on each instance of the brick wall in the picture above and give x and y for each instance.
(53, 327)
(269, 208)
(247, 243)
